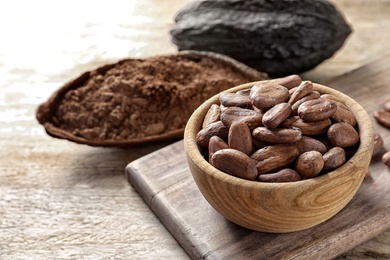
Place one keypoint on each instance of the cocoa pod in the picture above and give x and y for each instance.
(284, 175)
(277, 135)
(240, 137)
(309, 164)
(334, 158)
(343, 135)
(274, 157)
(235, 163)
(316, 109)
(279, 38)
(248, 116)
(216, 128)
(276, 115)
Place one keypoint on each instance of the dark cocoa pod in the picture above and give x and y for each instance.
(277, 37)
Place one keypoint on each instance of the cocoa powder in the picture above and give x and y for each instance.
(144, 97)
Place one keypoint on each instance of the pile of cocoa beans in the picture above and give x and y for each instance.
(281, 130)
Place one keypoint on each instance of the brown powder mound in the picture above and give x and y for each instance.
(137, 98)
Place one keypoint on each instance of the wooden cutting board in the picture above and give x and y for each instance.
(166, 185)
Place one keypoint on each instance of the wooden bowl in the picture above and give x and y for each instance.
(280, 207)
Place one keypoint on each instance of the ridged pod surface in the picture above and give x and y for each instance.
(278, 37)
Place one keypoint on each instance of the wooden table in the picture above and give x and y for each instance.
(63, 200)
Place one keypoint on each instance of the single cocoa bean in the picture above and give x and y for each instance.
(276, 114)
(333, 159)
(235, 100)
(343, 115)
(382, 117)
(216, 128)
(386, 158)
(302, 90)
(277, 135)
(343, 135)
(309, 164)
(235, 163)
(248, 116)
(215, 144)
(312, 95)
(288, 82)
(312, 128)
(274, 157)
(240, 137)
(212, 115)
(267, 95)
(307, 144)
(316, 109)
(378, 144)
(284, 175)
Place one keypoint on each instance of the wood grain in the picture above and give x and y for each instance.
(170, 192)
(60, 200)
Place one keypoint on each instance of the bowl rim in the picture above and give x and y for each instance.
(365, 148)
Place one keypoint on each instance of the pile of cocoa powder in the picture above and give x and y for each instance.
(142, 97)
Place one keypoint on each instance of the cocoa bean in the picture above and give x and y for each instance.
(235, 163)
(302, 90)
(309, 164)
(235, 100)
(382, 117)
(277, 114)
(343, 115)
(215, 144)
(312, 128)
(378, 144)
(288, 82)
(267, 95)
(312, 95)
(316, 109)
(216, 128)
(334, 158)
(307, 144)
(284, 175)
(274, 157)
(212, 115)
(277, 135)
(240, 137)
(386, 158)
(343, 135)
(248, 116)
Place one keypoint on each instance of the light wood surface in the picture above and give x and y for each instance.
(68, 201)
